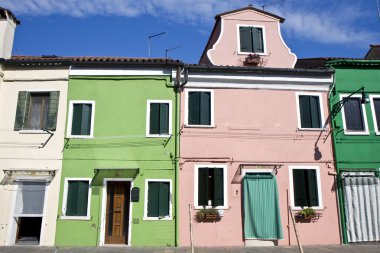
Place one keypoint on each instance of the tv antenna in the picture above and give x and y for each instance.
(170, 49)
(152, 36)
(272, 3)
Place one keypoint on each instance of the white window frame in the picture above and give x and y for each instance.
(347, 132)
(291, 187)
(212, 123)
(225, 185)
(238, 39)
(64, 202)
(70, 119)
(170, 217)
(319, 95)
(150, 101)
(372, 97)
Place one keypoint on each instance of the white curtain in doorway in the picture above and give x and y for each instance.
(30, 199)
(362, 208)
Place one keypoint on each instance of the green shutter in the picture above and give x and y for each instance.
(312, 188)
(72, 198)
(304, 103)
(194, 109)
(153, 199)
(245, 39)
(376, 105)
(77, 119)
(315, 112)
(257, 39)
(163, 201)
(164, 118)
(22, 110)
(82, 198)
(86, 119)
(218, 187)
(53, 110)
(299, 188)
(205, 108)
(203, 186)
(154, 124)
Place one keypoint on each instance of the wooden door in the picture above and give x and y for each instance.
(117, 217)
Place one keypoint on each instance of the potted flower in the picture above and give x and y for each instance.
(207, 215)
(252, 59)
(307, 214)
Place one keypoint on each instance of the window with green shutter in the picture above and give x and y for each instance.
(310, 111)
(210, 187)
(159, 115)
(376, 108)
(37, 110)
(305, 188)
(81, 121)
(158, 205)
(353, 115)
(251, 39)
(199, 108)
(77, 198)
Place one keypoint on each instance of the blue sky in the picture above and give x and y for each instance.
(312, 28)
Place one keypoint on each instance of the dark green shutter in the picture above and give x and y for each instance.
(77, 119)
(153, 199)
(245, 39)
(164, 118)
(163, 201)
(82, 198)
(194, 108)
(353, 114)
(203, 186)
(218, 187)
(299, 188)
(312, 188)
(257, 38)
(376, 104)
(205, 111)
(53, 110)
(77, 198)
(304, 103)
(86, 119)
(315, 112)
(22, 110)
(154, 124)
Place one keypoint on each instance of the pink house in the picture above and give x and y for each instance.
(254, 141)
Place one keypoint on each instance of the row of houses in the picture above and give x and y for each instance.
(136, 151)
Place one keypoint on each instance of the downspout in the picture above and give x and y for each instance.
(177, 89)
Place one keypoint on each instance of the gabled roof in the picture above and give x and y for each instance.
(250, 7)
(373, 53)
(3, 12)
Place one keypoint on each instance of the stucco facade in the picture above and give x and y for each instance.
(30, 155)
(255, 127)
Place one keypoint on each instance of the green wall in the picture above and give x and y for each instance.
(120, 142)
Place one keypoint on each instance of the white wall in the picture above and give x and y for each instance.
(7, 33)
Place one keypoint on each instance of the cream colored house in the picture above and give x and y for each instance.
(33, 95)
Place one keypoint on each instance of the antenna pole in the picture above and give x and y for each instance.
(170, 49)
(378, 8)
(152, 36)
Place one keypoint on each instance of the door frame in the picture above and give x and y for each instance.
(104, 210)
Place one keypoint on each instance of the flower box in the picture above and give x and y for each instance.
(207, 215)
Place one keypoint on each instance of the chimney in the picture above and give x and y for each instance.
(8, 24)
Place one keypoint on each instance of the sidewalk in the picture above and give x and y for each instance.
(372, 248)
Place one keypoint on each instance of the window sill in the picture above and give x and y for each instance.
(75, 218)
(157, 219)
(210, 207)
(79, 136)
(318, 208)
(199, 126)
(248, 53)
(311, 129)
(158, 136)
(32, 132)
(355, 133)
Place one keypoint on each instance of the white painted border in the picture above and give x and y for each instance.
(248, 171)
(64, 202)
(170, 217)
(346, 132)
(11, 240)
(119, 72)
(70, 119)
(319, 95)
(286, 46)
(372, 97)
(148, 102)
(238, 39)
(104, 210)
(217, 41)
(225, 184)
(187, 108)
(291, 190)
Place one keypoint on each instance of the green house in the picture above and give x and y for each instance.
(118, 183)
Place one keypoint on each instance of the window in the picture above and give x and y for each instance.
(159, 123)
(375, 106)
(251, 39)
(354, 117)
(36, 110)
(306, 188)
(158, 199)
(211, 186)
(76, 198)
(199, 108)
(30, 199)
(81, 119)
(309, 111)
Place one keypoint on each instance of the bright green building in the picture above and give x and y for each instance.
(118, 183)
(355, 115)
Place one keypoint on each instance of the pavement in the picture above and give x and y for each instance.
(361, 248)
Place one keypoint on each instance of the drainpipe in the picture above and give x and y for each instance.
(177, 89)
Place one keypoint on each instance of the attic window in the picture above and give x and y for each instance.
(251, 39)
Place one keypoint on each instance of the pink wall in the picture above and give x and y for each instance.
(226, 49)
(255, 127)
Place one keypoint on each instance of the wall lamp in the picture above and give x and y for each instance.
(339, 105)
